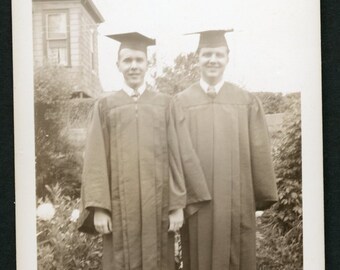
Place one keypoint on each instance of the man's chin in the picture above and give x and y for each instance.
(213, 73)
(134, 82)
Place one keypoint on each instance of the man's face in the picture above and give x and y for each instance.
(133, 65)
(212, 62)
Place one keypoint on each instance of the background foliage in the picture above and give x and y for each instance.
(60, 245)
(182, 74)
(57, 159)
(280, 227)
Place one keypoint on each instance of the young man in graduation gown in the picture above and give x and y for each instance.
(130, 194)
(228, 131)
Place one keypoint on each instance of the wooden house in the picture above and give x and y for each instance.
(65, 34)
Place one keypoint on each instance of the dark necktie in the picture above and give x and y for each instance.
(211, 92)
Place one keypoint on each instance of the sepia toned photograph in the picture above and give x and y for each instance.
(172, 135)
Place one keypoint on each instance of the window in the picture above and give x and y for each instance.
(57, 38)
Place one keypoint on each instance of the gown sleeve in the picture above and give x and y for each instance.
(95, 188)
(187, 174)
(261, 160)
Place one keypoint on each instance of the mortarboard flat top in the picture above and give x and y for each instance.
(212, 38)
(133, 40)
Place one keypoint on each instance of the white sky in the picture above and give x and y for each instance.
(271, 47)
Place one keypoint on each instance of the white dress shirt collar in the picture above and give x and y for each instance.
(128, 90)
(204, 85)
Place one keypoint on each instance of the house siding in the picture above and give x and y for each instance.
(80, 23)
(90, 76)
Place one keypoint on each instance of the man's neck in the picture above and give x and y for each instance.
(132, 89)
(205, 86)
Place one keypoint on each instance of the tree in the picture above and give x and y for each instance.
(182, 74)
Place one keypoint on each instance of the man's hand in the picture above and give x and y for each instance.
(102, 221)
(176, 220)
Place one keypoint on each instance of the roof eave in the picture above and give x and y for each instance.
(92, 9)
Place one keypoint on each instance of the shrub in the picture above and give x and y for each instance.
(272, 102)
(280, 228)
(57, 158)
(60, 245)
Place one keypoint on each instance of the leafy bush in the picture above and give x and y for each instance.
(272, 102)
(57, 159)
(280, 228)
(60, 245)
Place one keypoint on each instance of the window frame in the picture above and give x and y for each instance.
(93, 40)
(47, 39)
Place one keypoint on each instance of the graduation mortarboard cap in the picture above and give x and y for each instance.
(212, 38)
(133, 40)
